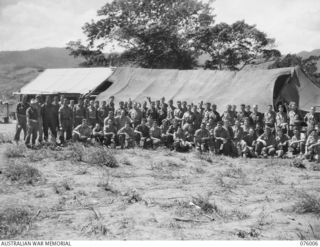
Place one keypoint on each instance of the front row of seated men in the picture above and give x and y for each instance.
(219, 140)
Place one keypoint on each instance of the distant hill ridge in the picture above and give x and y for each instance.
(49, 57)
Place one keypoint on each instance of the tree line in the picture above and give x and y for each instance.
(172, 34)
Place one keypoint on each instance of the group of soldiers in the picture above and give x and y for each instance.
(180, 127)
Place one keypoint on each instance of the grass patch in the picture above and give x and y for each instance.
(15, 151)
(205, 205)
(313, 233)
(22, 174)
(100, 156)
(13, 221)
(125, 161)
(307, 204)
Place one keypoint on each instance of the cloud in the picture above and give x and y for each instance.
(295, 24)
(38, 23)
(25, 24)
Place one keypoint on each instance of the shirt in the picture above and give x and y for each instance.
(294, 117)
(270, 117)
(250, 140)
(281, 118)
(109, 129)
(238, 133)
(155, 132)
(144, 129)
(65, 113)
(92, 112)
(311, 119)
(32, 114)
(220, 133)
(79, 111)
(129, 131)
(22, 108)
(256, 117)
(270, 140)
(83, 130)
(200, 133)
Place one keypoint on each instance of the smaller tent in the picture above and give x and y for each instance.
(72, 81)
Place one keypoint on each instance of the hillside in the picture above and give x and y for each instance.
(17, 68)
(45, 58)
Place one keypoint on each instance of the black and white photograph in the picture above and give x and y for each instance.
(159, 120)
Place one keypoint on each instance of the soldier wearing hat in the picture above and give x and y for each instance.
(21, 118)
(32, 123)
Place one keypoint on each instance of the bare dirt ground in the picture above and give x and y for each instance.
(156, 195)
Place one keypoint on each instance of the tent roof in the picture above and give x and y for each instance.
(255, 86)
(69, 81)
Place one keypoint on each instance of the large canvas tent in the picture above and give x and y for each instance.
(262, 87)
(72, 81)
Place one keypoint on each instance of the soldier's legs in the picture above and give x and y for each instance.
(18, 131)
(218, 146)
(45, 130)
(258, 148)
(53, 129)
(28, 136)
(40, 130)
(35, 131)
(69, 131)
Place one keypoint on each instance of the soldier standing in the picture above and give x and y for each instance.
(49, 114)
(65, 121)
(21, 118)
(92, 114)
(32, 123)
(40, 127)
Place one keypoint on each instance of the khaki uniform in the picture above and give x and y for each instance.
(65, 122)
(21, 120)
(32, 125)
(79, 113)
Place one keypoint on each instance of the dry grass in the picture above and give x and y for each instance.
(308, 203)
(14, 221)
(149, 195)
(15, 151)
(312, 233)
(22, 173)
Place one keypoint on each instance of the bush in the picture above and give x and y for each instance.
(13, 221)
(205, 205)
(307, 204)
(22, 173)
(15, 151)
(100, 156)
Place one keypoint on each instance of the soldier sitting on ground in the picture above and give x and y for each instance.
(265, 144)
(97, 133)
(202, 138)
(110, 134)
(297, 143)
(126, 136)
(82, 132)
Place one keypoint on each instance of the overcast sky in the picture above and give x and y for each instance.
(26, 24)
